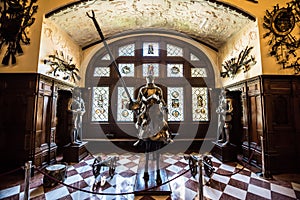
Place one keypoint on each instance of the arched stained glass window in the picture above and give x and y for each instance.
(123, 114)
(175, 104)
(127, 50)
(200, 103)
(173, 50)
(102, 72)
(182, 70)
(100, 104)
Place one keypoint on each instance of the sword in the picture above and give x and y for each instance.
(110, 53)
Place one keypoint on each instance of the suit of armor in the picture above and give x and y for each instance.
(77, 108)
(224, 111)
(151, 113)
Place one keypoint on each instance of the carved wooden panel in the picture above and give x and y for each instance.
(272, 104)
(27, 120)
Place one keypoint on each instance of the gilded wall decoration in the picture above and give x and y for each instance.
(16, 16)
(283, 25)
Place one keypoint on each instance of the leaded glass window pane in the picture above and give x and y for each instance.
(198, 72)
(173, 50)
(175, 70)
(102, 72)
(151, 69)
(127, 50)
(150, 49)
(200, 104)
(123, 114)
(100, 103)
(106, 57)
(193, 57)
(126, 69)
(175, 104)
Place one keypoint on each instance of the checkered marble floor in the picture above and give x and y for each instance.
(242, 185)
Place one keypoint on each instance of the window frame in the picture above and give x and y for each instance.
(139, 80)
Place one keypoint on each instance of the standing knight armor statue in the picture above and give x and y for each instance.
(225, 111)
(77, 108)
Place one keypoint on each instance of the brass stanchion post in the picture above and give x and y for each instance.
(28, 166)
(200, 194)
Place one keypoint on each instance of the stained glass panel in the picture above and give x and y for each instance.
(151, 69)
(200, 104)
(193, 57)
(173, 50)
(126, 69)
(198, 72)
(123, 114)
(127, 50)
(100, 103)
(175, 70)
(106, 57)
(175, 104)
(150, 49)
(102, 72)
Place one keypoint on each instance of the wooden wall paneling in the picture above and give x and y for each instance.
(245, 127)
(280, 123)
(28, 119)
(50, 109)
(271, 108)
(255, 121)
(44, 121)
(53, 122)
(17, 105)
(296, 110)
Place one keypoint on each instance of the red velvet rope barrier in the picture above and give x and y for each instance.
(12, 171)
(102, 193)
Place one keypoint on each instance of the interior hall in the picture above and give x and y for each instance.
(149, 99)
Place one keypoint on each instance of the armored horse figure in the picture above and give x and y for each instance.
(152, 126)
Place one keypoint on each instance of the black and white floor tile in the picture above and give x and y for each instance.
(242, 185)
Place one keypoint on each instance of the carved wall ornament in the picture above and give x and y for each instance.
(284, 43)
(61, 65)
(15, 18)
(243, 61)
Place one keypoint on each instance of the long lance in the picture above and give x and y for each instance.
(109, 52)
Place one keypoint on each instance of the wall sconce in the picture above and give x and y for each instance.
(16, 16)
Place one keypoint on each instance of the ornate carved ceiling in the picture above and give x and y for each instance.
(207, 21)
